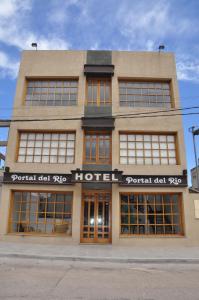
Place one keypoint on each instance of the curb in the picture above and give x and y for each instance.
(104, 259)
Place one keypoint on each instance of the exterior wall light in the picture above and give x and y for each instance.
(34, 45)
(161, 47)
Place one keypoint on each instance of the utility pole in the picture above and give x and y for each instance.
(195, 131)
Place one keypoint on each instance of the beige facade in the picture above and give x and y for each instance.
(128, 66)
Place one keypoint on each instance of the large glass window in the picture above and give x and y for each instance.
(98, 92)
(97, 148)
(146, 214)
(51, 92)
(147, 149)
(39, 147)
(144, 94)
(38, 212)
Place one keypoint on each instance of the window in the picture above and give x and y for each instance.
(147, 149)
(51, 92)
(97, 148)
(145, 94)
(98, 92)
(39, 147)
(38, 212)
(154, 214)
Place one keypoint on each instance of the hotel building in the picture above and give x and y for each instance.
(96, 151)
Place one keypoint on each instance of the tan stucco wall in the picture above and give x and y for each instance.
(58, 64)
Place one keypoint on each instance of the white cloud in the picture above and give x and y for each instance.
(187, 69)
(15, 31)
(61, 14)
(8, 67)
(147, 22)
(9, 7)
(95, 46)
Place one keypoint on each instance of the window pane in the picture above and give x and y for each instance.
(41, 213)
(52, 91)
(45, 147)
(150, 142)
(150, 214)
(144, 94)
(98, 92)
(97, 148)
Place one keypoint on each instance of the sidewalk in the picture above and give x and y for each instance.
(100, 253)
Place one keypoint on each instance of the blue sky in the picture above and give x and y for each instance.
(106, 24)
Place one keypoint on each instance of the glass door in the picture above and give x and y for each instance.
(96, 217)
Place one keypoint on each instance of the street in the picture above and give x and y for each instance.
(54, 279)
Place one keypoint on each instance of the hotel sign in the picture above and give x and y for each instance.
(147, 180)
(37, 178)
(80, 176)
(96, 176)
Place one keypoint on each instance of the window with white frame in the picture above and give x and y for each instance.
(48, 147)
(148, 149)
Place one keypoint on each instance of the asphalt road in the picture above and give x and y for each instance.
(43, 279)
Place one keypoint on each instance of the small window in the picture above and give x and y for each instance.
(98, 92)
(51, 93)
(145, 94)
(97, 148)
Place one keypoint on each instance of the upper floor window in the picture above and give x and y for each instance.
(51, 92)
(97, 148)
(147, 149)
(39, 147)
(145, 94)
(98, 92)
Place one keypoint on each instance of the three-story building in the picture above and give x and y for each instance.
(96, 151)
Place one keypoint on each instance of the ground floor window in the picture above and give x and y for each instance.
(151, 214)
(39, 212)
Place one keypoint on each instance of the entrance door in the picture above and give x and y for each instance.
(96, 217)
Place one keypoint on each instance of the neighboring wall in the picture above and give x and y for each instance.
(194, 182)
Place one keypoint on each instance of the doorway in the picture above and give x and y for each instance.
(96, 217)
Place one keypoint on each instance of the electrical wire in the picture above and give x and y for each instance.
(118, 117)
(123, 115)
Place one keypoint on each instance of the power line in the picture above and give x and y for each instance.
(118, 117)
(126, 114)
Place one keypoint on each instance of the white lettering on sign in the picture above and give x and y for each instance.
(44, 178)
(114, 178)
(174, 180)
(59, 179)
(79, 176)
(89, 176)
(97, 176)
(156, 180)
(160, 180)
(15, 177)
(107, 177)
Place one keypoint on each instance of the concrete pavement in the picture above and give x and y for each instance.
(68, 280)
(100, 253)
